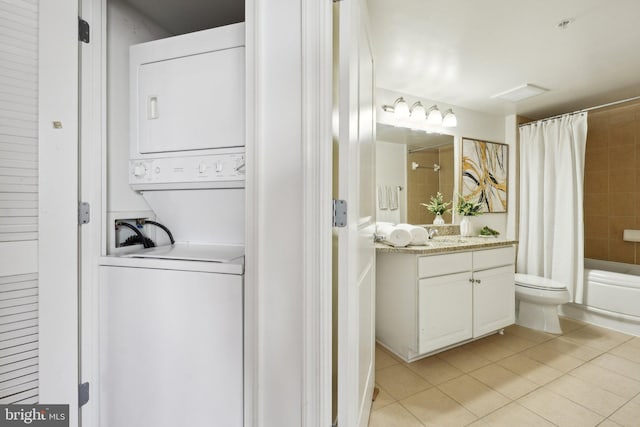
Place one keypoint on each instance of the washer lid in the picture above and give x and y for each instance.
(192, 252)
(537, 282)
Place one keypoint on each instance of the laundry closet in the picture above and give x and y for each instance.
(171, 283)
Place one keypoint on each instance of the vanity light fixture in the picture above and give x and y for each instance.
(450, 120)
(417, 113)
(401, 108)
(434, 116)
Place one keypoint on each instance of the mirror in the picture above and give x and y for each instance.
(412, 166)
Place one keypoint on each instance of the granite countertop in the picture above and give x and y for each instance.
(441, 244)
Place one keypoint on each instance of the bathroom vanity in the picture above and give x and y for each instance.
(453, 290)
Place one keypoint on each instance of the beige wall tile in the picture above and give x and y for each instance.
(597, 204)
(596, 159)
(474, 395)
(620, 181)
(620, 251)
(622, 157)
(559, 410)
(617, 225)
(596, 227)
(596, 182)
(623, 204)
(596, 248)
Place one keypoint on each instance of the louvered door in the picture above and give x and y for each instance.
(18, 201)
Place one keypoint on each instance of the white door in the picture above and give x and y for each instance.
(58, 203)
(356, 183)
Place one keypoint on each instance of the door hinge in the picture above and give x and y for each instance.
(83, 394)
(339, 213)
(83, 30)
(84, 213)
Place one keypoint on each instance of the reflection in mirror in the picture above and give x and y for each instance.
(419, 163)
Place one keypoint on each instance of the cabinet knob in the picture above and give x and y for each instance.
(478, 281)
(471, 280)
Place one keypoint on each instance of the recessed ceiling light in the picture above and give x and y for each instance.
(521, 92)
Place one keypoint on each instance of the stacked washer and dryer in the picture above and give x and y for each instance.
(171, 316)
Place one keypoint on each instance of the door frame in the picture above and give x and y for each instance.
(92, 189)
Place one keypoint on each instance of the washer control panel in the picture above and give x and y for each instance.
(224, 170)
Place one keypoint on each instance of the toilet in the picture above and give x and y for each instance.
(537, 301)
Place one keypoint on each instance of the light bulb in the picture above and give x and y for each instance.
(401, 108)
(418, 112)
(450, 120)
(434, 116)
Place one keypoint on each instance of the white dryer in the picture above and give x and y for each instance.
(171, 337)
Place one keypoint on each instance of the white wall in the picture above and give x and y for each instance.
(391, 169)
(511, 138)
(125, 26)
(471, 124)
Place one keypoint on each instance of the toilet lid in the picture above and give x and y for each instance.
(537, 282)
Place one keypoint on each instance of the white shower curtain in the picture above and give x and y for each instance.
(551, 227)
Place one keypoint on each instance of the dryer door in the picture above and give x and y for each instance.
(193, 102)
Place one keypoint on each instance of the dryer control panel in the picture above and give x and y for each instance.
(210, 171)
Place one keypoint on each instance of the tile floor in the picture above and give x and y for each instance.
(589, 376)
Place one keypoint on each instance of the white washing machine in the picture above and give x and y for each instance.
(171, 337)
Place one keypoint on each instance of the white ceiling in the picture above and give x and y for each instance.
(463, 52)
(186, 16)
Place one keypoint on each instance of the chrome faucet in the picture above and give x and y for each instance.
(432, 232)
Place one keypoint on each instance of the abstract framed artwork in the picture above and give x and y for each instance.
(484, 174)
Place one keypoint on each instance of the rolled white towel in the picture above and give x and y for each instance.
(394, 236)
(419, 235)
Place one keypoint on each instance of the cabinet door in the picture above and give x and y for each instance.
(444, 311)
(493, 299)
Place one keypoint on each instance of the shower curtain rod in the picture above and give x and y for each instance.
(597, 107)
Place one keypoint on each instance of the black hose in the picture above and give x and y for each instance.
(146, 242)
(157, 224)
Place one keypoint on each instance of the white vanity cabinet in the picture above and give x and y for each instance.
(428, 303)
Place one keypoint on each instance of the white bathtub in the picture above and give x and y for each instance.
(611, 296)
